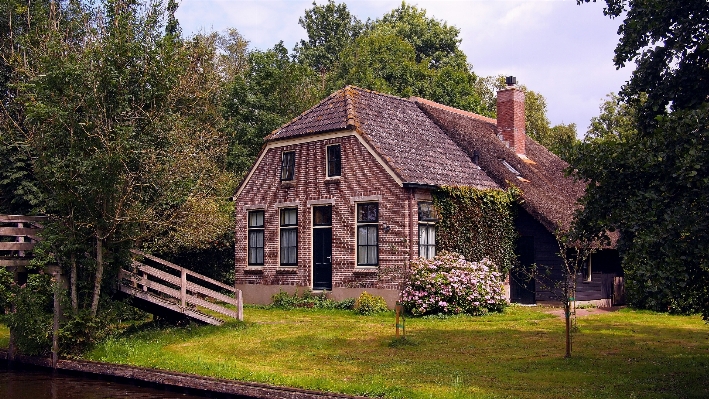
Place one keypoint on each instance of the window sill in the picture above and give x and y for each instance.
(366, 270)
(287, 270)
(332, 180)
(287, 184)
(253, 270)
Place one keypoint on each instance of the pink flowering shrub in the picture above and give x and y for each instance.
(449, 284)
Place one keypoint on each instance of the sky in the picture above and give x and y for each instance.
(557, 48)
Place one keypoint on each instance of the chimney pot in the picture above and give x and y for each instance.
(511, 81)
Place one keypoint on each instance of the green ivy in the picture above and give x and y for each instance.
(477, 224)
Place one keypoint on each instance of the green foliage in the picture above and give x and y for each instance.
(434, 41)
(368, 304)
(32, 320)
(478, 224)
(113, 128)
(308, 300)
(272, 91)
(330, 29)
(646, 157)
(80, 332)
(406, 53)
(6, 290)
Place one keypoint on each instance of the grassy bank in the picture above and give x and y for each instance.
(516, 354)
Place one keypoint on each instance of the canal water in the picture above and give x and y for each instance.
(42, 384)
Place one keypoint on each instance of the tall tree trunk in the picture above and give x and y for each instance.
(99, 273)
(74, 278)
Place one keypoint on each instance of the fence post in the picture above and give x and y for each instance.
(239, 306)
(20, 238)
(183, 286)
(55, 324)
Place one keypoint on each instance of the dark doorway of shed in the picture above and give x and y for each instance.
(522, 287)
(322, 248)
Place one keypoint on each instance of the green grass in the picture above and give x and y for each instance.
(517, 354)
(4, 334)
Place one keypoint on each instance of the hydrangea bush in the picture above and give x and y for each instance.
(449, 284)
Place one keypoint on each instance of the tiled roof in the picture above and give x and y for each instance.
(549, 195)
(433, 144)
(411, 143)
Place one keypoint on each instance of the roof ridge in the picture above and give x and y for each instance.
(378, 93)
(453, 110)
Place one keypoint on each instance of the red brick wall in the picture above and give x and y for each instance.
(362, 176)
(510, 118)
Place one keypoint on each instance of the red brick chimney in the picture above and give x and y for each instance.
(510, 116)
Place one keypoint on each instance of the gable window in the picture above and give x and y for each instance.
(368, 234)
(334, 160)
(288, 165)
(256, 231)
(427, 230)
(289, 236)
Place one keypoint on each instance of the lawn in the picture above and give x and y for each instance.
(518, 354)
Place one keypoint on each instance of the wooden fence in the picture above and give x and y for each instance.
(180, 290)
(18, 237)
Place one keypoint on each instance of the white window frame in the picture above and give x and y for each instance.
(287, 227)
(369, 225)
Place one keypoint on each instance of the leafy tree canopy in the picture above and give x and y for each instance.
(272, 90)
(331, 27)
(646, 156)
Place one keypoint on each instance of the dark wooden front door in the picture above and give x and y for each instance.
(322, 258)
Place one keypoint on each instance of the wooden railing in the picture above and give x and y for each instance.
(19, 236)
(182, 290)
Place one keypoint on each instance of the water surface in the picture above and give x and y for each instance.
(40, 384)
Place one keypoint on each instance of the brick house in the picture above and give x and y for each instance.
(339, 198)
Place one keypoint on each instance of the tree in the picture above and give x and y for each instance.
(330, 29)
(122, 125)
(406, 53)
(652, 184)
(273, 90)
(434, 41)
(22, 25)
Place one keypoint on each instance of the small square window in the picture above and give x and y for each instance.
(334, 160)
(368, 212)
(288, 165)
(322, 216)
(427, 212)
(289, 217)
(256, 219)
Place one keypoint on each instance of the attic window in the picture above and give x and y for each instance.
(287, 165)
(510, 168)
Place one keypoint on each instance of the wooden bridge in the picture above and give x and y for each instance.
(168, 289)
(155, 285)
(18, 237)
